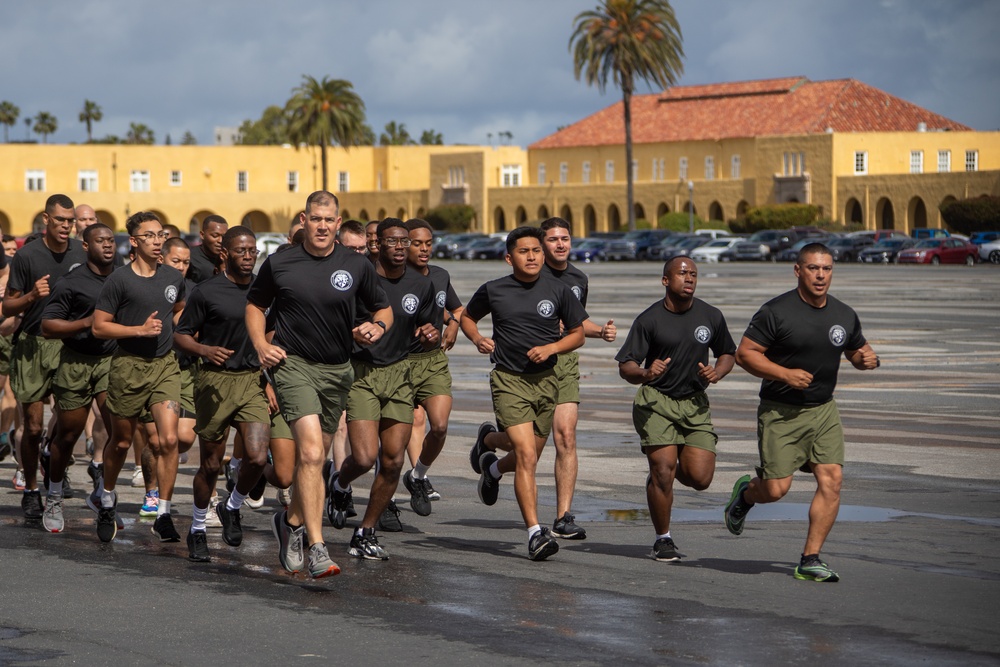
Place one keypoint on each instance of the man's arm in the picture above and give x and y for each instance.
(368, 333)
(608, 332)
(269, 355)
(213, 353)
(15, 303)
(633, 373)
(573, 339)
(470, 328)
(750, 357)
(864, 358)
(53, 328)
(723, 364)
(105, 327)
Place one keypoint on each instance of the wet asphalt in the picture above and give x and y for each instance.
(915, 543)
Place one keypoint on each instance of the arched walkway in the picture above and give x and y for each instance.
(363, 216)
(161, 215)
(661, 210)
(401, 213)
(108, 218)
(4, 223)
(258, 221)
(689, 208)
(944, 202)
(715, 211)
(885, 218)
(381, 215)
(499, 220)
(37, 223)
(916, 213)
(589, 220)
(614, 218)
(640, 213)
(741, 209)
(520, 215)
(853, 213)
(543, 212)
(195, 225)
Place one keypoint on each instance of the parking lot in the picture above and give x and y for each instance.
(915, 543)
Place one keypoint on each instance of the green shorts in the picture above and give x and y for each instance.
(310, 388)
(568, 376)
(188, 377)
(429, 375)
(519, 398)
(661, 420)
(33, 363)
(6, 343)
(381, 392)
(228, 397)
(789, 437)
(136, 383)
(79, 379)
(280, 430)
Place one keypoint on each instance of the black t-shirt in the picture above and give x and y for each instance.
(444, 298)
(186, 360)
(31, 262)
(202, 266)
(525, 315)
(73, 299)
(798, 335)
(412, 299)
(315, 299)
(574, 278)
(131, 298)
(215, 313)
(685, 338)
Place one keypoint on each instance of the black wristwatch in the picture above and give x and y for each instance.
(380, 323)
(451, 318)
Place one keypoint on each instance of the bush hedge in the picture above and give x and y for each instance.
(451, 217)
(779, 216)
(979, 214)
(678, 221)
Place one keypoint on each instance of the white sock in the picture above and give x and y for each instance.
(495, 470)
(234, 465)
(235, 500)
(108, 498)
(163, 507)
(338, 487)
(198, 519)
(420, 470)
(55, 488)
(533, 530)
(663, 536)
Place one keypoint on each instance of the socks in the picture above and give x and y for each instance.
(664, 536)
(495, 470)
(55, 488)
(198, 519)
(108, 498)
(533, 530)
(340, 489)
(163, 507)
(420, 470)
(235, 500)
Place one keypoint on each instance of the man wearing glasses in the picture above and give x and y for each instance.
(138, 307)
(33, 272)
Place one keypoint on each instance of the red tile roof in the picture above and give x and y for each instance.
(793, 105)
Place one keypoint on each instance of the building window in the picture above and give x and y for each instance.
(682, 168)
(656, 170)
(944, 161)
(87, 178)
(916, 162)
(343, 181)
(175, 177)
(860, 162)
(635, 170)
(586, 172)
(709, 168)
(34, 180)
(139, 181)
(541, 173)
(563, 172)
(802, 164)
(379, 184)
(972, 160)
(734, 166)
(456, 177)
(242, 181)
(293, 181)
(609, 171)
(510, 175)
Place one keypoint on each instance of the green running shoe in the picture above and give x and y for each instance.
(813, 569)
(736, 511)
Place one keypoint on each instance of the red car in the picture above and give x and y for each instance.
(940, 251)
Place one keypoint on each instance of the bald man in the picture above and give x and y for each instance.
(85, 217)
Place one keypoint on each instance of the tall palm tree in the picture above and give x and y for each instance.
(45, 124)
(8, 117)
(630, 41)
(325, 111)
(395, 134)
(91, 114)
(139, 133)
(431, 138)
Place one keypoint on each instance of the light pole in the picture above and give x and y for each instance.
(691, 206)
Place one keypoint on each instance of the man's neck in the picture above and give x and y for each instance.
(144, 267)
(812, 300)
(422, 270)
(675, 305)
(557, 266)
(239, 280)
(54, 245)
(390, 272)
(100, 270)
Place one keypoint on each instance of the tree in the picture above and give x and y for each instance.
(628, 40)
(431, 138)
(8, 117)
(139, 133)
(45, 124)
(188, 139)
(325, 111)
(91, 114)
(395, 135)
(270, 130)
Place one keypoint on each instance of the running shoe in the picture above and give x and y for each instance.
(31, 503)
(542, 545)
(389, 521)
(95, 472)
(18, 480)
(107, 520)
(350, 512)
(68, 491)
(289, 542)
(419, 500)
(52, 519)
(736, 510)
(212, 518)
(489, 486)
(255, 499)
(94, 503)
(182, 458)
(231, 475)
(284, 497)
(232, 525)
(138, 481)
(665, 550)
(44, 460)
(431, 493)
(566, 528)
(5, 447)
(198, 547)
(365, 545)
(337, 504)
(813, 569)
(479, 448)
(150, 503)
(89, 447)
(164, 529)
(320, 564)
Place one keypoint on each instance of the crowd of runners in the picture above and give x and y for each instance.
(331, 362)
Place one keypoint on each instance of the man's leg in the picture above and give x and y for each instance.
(662, 460)
(307, 501)
(116, 451)
(695, 467)
(523, 462)
(566, 466)
(417, 435)
(393, 435)
(825, 505)
(438, 411)
(31, 438)
(341, 445)
(165, 416)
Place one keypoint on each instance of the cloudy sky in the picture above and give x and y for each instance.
(465, 69)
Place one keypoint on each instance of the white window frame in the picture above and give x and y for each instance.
(563, 172)
(972, 160)
(510, 175)
(944, 161)
(860, 163)
(456, 176)
(609, 171)
(916, 162)
(709, 168)
(293, 181)
(585, 178)
(656, 169)
(139, 180)
(541, 173)
(682, 169)
(343, 181)
(34, 180)
(734, 166)
(243, 181)
(176, 178)
(86, 180)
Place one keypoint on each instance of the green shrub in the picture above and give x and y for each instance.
(678, 221)
(779, 216)
(979, 214)
(451, 218)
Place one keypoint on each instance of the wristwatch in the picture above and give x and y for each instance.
(380, 323)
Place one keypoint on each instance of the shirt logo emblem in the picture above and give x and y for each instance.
(702, 334)
(170, 294)
(441, 298)
(341, 280)
(577, 292)
(410, 304)
(545, 308)
(73, 267)
(837, 335)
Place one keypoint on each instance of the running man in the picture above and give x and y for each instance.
(526, 308)
(315, 288)
(793, 344)
(205, 259)
(137, 307)
(666, 352)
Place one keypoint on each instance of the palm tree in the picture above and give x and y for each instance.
(45, 124)
(8, 117)
(139, 133)
(91, 114)
(628, 40)
(431, 138)
(325, 111)
(395, 135)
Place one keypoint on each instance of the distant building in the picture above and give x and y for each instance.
(226, 136)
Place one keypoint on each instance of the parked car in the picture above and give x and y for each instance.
(886, 250)
(714, 233)
(710, 251)
(979, 238)
(588, 250)
(990, 252)
(846, 248)
(940, 251)
(929, 233)
(488, 248)
(776, 240)
(877, 235)
(746, 251)
(448, 246)
(636, 244)
(664, 248)
(791, 253)
(268, 242)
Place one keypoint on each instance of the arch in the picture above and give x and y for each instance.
(161, 215)
(853, 213)
(257, 220)
(401, 213)
(661, 210)
(363, 216)
(944, 202)
(885, 217)
(639, 211)
(421, 212)
(741, 209)
(916, 213)
(381, 215)
(345, 214)
(715, 211)
(520, 215)
(543, 212)
(589, 220)
(107, 217)
(688, 208)
(499, 219)
(37, 224)
(614, 218)
(195, 226)
(4, 223)
(566, 213)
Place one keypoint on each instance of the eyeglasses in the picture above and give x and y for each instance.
(149, 236)
(244, 252)
(392, 242)
(59, 218)
(356, 248)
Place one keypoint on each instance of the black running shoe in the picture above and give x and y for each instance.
(736, 510)
(479, 448)
(489, 487)
(389, 521)
(365, 545)
(665, 550)
(350, 512)
(31, 503)
(230, 478)
(164, 529)
(232, 525)
(198, 547)
(566, 528)
(813, 569)
(68, 491)
(96, 473)
(419, 500)
(431, 493)
(542, 545)
(337, 504)
(107, 520)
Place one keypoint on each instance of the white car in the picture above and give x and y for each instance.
(710, 251)
(990, 252)
(714, 233)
